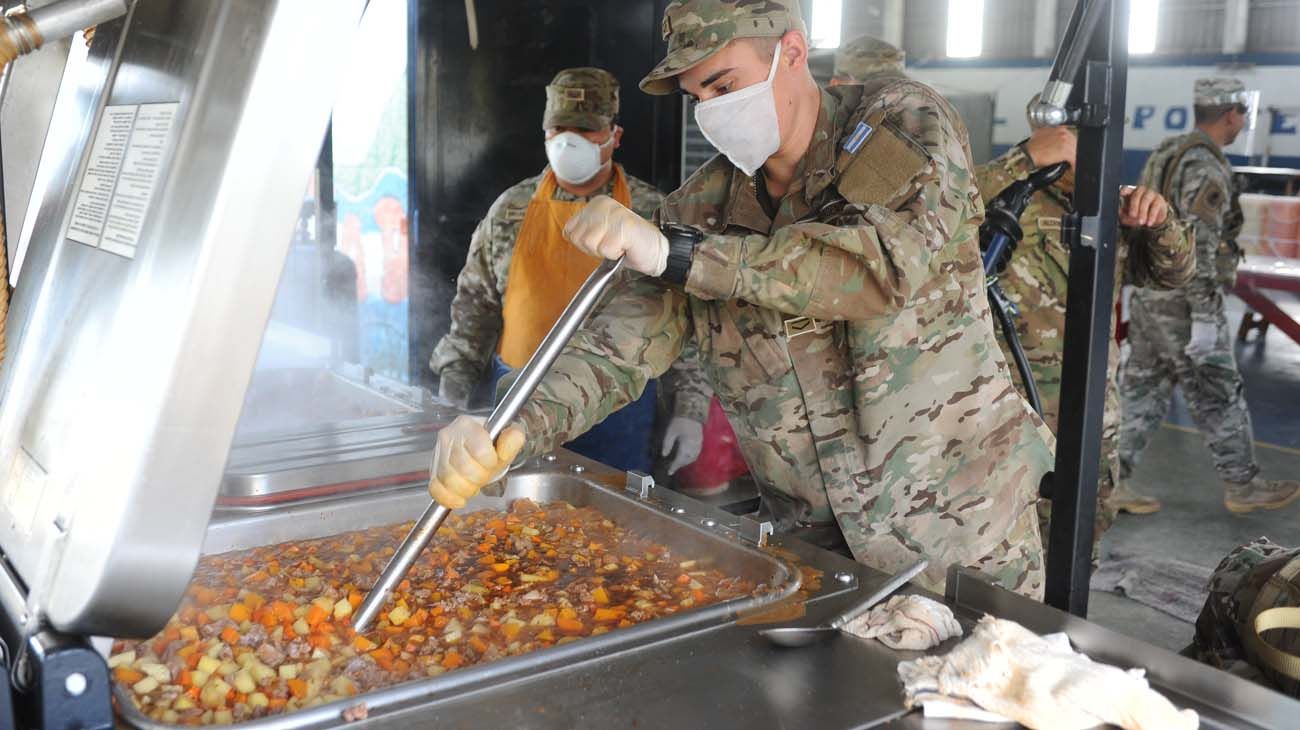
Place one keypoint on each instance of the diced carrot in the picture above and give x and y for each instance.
(172, 633)
(289, 633)
(699, 596)
(325, 627)
(186, 678)
(297, 687)
(355, 598)
(478, 644)
(484, 547)
(127, 675)
(452, 660)
(569, 626)
(315, 615)
(404, 586)
(230, 635)
(282, 611)
(600, 595)
(240, 697)
(361, 643)
(192, 660)
(393, 630)
(440, 621)
(501, 567)
(609, 614)
(257, 577)
(193, 692)
(401, 666)
(160, 645)
(321, 641)
(239, 613)
(277, 704)
(383, 657)
(683, 579)
(202, 619)
(511, 630)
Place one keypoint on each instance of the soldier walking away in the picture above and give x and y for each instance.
(1181, 336)
(520, 272)
(1154, 249)
(827, 266)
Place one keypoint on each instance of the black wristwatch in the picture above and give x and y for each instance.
(682, 240)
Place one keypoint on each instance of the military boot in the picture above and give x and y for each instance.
(1124, 499)
(1260, 494)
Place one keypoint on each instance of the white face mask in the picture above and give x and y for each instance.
(575, 159)
(743, 124)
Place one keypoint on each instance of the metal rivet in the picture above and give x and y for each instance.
(679, 510)
(75, 684)
(550, 457)
(577, 468)
(709, 522)
(843, 577)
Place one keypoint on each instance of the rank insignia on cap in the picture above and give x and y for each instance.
(859, 137)
(574, 94)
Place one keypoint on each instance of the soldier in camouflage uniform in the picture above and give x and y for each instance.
(837, 301)
(580, 100)
(866, 58)
(1154, 250)
(1182, 336)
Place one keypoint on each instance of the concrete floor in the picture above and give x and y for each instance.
(1194, 526)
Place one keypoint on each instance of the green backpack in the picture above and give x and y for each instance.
(1250, 624)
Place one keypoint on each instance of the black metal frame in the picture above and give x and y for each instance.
(1091, 234)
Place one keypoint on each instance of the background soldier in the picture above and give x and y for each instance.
(828, 269)
(1182, 336)
(1154, 250)
(520, 272)
(866, 58)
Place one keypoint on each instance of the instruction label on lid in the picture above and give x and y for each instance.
(126, 160)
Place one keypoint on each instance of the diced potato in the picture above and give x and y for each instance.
(300, 626)
(215, 650)
(216, 613)
(244, 681)
(289, 671)
(228, 668)
(342, 609)
(543, 619)
(145, 686)
(245, 659)
(316, 670)
(343, 686)
(398, 615)
(452, 637)
(258, 699)
(214, 693)
(190, 633)
(312, 583)
(324, 602)
(125, 659)
(158, 671)
(208, 664)
(261, 672)
(200, 677)
(171, 717)
(223, 717)
(183, 703)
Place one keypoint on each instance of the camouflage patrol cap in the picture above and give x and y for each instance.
(586, 98)
(697, 29)
(865, 57)
(1221, 90)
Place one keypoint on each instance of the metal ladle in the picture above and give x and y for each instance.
(794, 636)
(503, 415)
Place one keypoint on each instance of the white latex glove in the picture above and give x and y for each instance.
(465, 460)
(1007, 669)
(911, 622)
(1204, 337)
(687, 436)
(604, 228)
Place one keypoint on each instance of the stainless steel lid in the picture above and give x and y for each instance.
(144, 293)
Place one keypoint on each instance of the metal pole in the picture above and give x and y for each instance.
(504, 414)
(1089, 306)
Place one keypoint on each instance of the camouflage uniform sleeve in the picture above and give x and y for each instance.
(1159, 258)
(646, 198)
(633, 337)
(688, 386)
(461, 357)
(872, 261)
(995, 175)
(1201, 180)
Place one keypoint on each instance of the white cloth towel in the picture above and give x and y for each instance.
(907, 622)
(1005, 669)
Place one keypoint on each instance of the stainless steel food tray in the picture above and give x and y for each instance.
(706, 534)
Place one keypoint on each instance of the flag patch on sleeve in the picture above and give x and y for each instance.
(859, 137)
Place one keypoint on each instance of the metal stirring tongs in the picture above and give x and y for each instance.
(531, 375)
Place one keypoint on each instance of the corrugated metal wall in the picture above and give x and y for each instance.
(1274, 26)
(862, 17)
(1190, 27)
(925, 29)
(1008, 28)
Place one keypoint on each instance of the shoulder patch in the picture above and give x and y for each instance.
(878, 163)
(1210, 202)
(859, 137)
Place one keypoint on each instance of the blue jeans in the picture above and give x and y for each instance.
(622, 440)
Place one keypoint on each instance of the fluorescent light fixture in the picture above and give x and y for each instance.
(965, 28)
(1142, 19)
(826, 16)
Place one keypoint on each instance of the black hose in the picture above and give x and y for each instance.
(999, 304)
